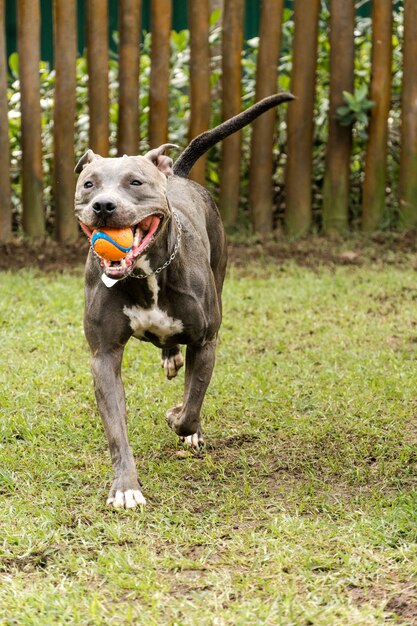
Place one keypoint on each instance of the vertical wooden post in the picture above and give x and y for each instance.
(65, 30)
(408, 160)
(98, 75)
(261, 158)
(28, 45)
(339, 145)
(232, 41)
(376, 152)
(199, 22)
(130, 12)
(161, 19)
(300, 118)
(5, 201)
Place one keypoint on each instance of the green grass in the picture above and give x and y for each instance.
(302, 509)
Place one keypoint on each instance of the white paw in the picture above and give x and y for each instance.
(126, 499)
(172, 364)
(194, 441)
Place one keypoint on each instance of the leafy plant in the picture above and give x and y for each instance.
(355, 108)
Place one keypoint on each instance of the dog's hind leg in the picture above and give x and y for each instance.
(185, 418)
(172, 361)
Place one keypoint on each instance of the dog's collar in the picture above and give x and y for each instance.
(172, 255)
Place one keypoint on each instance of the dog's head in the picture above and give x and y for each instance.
(128, 191)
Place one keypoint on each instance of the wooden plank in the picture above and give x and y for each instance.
(232, 42)
(161, 20)
(98, 75)
(376, 152)
(200, 97)
(298, 175)
(65, 30)
(5, 194)
(130, 12)
(339, 145)
(408, 159)
(28, 14)
(263, 133)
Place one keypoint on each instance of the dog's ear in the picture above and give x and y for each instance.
(158, 157)
(85, 160)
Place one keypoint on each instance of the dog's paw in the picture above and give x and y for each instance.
(195, 441)
(189, 431)
(126, 499)
(180, 422)
(172, 364)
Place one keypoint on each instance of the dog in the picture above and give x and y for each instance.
(167, 290)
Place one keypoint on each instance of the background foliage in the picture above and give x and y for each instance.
(356, 110)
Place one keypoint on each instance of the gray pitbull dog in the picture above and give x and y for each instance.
(166, 291)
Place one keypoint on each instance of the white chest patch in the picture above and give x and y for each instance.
(154, 321)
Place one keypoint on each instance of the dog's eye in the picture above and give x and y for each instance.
(136, 182)
(88, 184)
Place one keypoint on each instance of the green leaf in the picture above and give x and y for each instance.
(342, 110)
(369, 104)
(362, 92)
(215, 17)
(349, 97)
(14, 64)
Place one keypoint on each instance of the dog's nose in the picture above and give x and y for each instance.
(104, 207)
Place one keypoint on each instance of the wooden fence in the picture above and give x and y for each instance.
(300, 116)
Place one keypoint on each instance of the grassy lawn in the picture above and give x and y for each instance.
(302, 510)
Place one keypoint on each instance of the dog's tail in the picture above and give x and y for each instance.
(200, 144)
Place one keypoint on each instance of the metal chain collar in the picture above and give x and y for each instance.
(171, 257)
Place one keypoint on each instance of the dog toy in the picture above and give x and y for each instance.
(112, 244)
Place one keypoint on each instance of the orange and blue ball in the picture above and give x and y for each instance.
(112, 244)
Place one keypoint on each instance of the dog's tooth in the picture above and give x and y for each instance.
(123, 263)
(137, 237)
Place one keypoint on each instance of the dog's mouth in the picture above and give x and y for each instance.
(144, 233)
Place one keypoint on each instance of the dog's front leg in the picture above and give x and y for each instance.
(106, 367)
(185, 418)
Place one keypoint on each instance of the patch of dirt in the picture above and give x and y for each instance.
(315, 251)
(400, 598)
(50, 256)
(36, 560)
(311, 252)
(237, 441)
